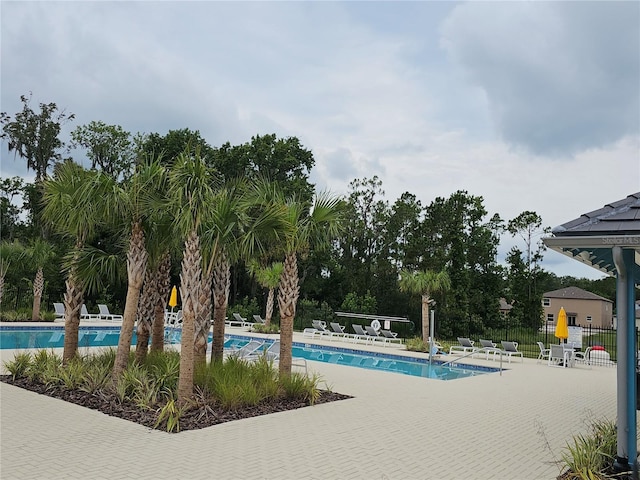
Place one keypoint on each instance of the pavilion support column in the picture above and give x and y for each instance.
(627, 449)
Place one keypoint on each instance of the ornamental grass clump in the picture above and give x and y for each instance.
(590, 456)
(151, 386)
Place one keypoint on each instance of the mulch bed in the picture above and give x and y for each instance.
(196, 418)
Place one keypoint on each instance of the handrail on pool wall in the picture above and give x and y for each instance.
(483, 349)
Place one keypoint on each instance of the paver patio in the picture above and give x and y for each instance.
(509, 427)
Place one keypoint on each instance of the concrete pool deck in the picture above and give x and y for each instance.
(509, 427)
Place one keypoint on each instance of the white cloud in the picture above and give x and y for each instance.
(366, 86)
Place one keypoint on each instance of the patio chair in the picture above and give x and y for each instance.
(59, 308)
(106, 315)
(488, 347)
(259, 320)
(465, 345)
(583, 357)
(337, 330)
(374, 334)
(510, 349)
(559, 356)
(272, 352)
(360, 334)
(85, 315)
(245, 351)
(544, 352)
(390, 336)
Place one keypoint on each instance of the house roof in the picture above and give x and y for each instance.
(574, 293)
(590, 237)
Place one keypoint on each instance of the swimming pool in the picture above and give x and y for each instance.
(53, 337)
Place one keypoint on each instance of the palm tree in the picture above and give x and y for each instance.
(268, 277)
(190, 192)
(304, 227)
(133, 203)
(221, 234)
(425, 283)
(72, 205)
(163, 285)
(39, 253)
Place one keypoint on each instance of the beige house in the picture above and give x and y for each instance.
(583, 308)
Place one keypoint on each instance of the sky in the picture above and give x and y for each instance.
(533, 106)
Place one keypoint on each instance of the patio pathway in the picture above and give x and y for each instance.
(509, 427)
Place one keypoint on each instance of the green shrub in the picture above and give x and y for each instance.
(416, 344)
(71, 375)
(272, 328)
(591, 455)
(169, 416)
(246, 308)
(301, 387)
(19, 366)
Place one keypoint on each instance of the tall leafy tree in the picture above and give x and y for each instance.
(525, 267)
(9, 212)
(109, 147)
(283, 160)
(361, 243)
(34, 135)
(425, 283)
(173, 144)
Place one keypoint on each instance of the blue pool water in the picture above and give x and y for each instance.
(53, 337)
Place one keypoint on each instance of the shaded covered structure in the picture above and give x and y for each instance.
(608, 239)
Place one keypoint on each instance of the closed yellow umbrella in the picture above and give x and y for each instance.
(173, 299)
(562, 331)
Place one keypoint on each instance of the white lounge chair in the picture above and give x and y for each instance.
(488, 347)
(105, 315)
(375, 336)
(360, 334)
(390, 336)
(245, 351)
(272, 352)
(59, 308)
(259, 320)
(465, 345)
(337, 330)
(510, 349)
(85, 315)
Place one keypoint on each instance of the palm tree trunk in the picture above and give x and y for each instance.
(38, 287)
(189, 290)
(425, 318)
(1, 287)
(136, 266)
(163, 284)
(221, 285)
(203, 320)
(73, 300)
(269, 311)
(146, 313)
(287, 299)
